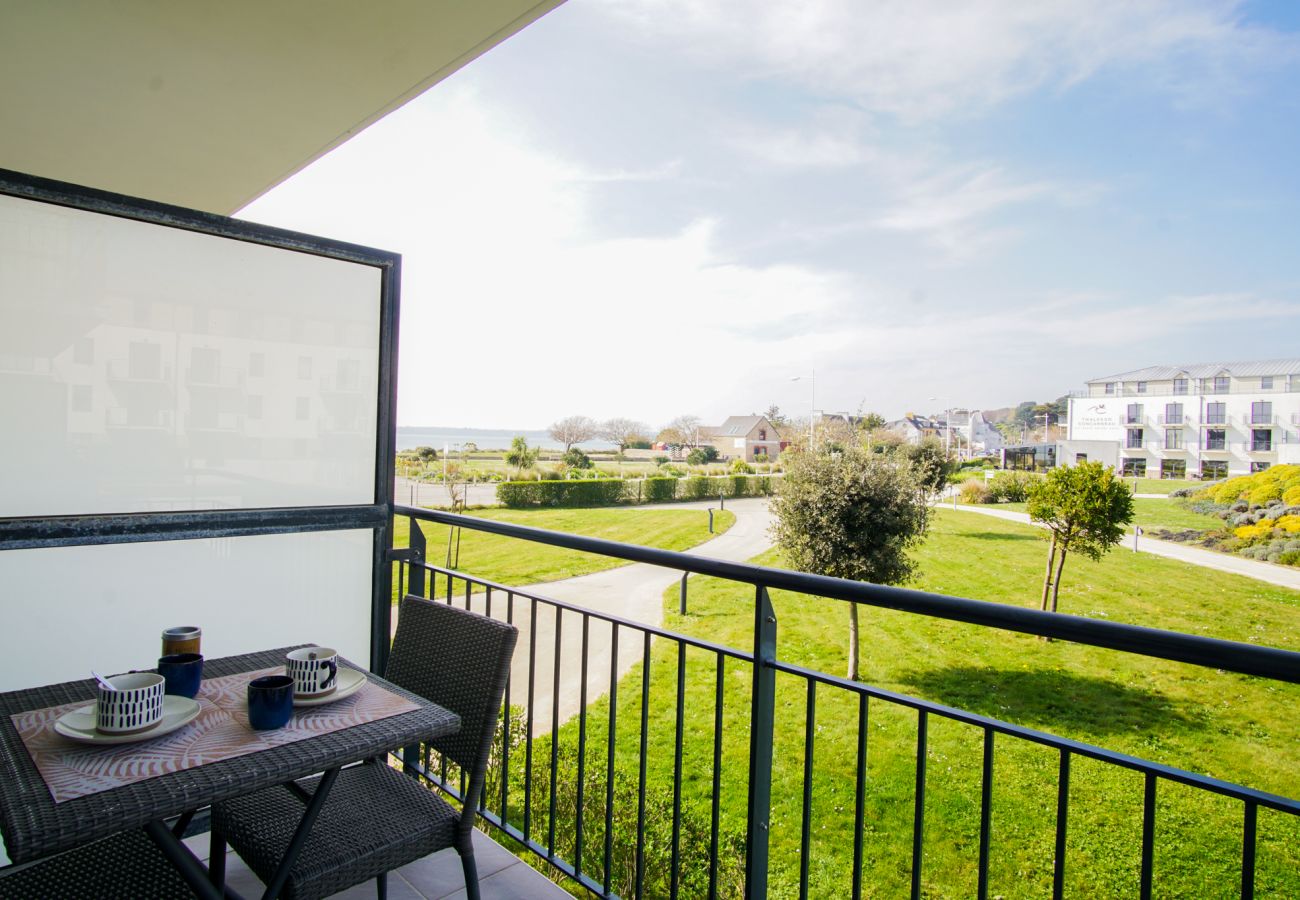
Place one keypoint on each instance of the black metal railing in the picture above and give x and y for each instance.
(558, 812)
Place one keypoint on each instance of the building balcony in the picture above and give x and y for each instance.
(1173, 421)
(1215, 421)
(1137, 421)
(1261, 420)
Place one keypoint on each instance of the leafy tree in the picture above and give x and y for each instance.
(426, 454)
(520, 455)
(931, 463)
(850, 514)
(872, 422)
(623, 432)
(1085, 508)
(576, 459)
(683, 431)
(776, 417)
(1024, 414)
(573, 430)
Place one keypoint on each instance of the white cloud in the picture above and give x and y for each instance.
(516, 310)
(921, 58)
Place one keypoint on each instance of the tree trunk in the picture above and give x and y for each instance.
(1056, 586)
(1047, 580)
(853, 642)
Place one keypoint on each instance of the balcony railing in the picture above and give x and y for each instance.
(1264, 420)
(591, 823)
(1215, 420)
(1155, 390)
(1174, 421)
(1133, 420)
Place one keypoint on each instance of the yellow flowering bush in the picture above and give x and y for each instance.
(1289, 524)
(1250, 532)
(1274, 483)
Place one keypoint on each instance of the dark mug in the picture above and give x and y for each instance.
(182, 672)
(270, 701)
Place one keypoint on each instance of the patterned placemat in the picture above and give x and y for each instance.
(221, 731)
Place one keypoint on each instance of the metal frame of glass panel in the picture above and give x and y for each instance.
(27, 532)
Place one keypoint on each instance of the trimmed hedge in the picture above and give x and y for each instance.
(613, 491)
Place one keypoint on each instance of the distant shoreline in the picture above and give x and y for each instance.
(439, 437)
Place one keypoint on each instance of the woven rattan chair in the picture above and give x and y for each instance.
(127, 866)
(376, 819)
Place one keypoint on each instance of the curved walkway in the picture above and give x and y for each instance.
(632, 591)
(1288, 577)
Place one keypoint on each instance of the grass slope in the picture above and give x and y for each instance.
(515, 562)
(1233, 727)
(1151, 512)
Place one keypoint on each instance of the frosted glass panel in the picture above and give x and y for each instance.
(70, 609)
(145, 368)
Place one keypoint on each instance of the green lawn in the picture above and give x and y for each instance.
(1151, 512)
(1232, 727)
(1161, 485)
(515, 562)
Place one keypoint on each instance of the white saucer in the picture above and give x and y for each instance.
(79, 724)
(349, 681)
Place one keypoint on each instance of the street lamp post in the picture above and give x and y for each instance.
(811, 378)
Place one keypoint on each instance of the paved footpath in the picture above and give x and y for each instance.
(1283, 576)
(632, 592)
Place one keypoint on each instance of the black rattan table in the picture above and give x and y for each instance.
(35, 826)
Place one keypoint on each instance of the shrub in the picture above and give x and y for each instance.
(585, 492)
(1010, 487)
(574, 458)
(659, 490)
(697, 487)
(702, 455)
(975, 492)
(1290, 558)
(740, 467)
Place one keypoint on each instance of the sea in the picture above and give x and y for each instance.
(409, 437)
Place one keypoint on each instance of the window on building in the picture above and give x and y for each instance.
(1266, 383)
(762, 434)
(1214, 468)
(1133, 414)
(1134, 441)
(1261, 440)
(1173, 414)
(254, 406)
(1220, 384)
(1216, 439)
(1180, 385)
(1110, 387)
(1134, 468)
(1142, 387)
(303, 409)
(1173, 468)
(1258, 467)
(1216, 413)
(304, 367)
(1080, 458)
(1174, 439)
(257, 364)
(1261, 413)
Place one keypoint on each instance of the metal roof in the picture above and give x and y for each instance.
(1207, 370)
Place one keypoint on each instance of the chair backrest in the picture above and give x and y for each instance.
(459, 660)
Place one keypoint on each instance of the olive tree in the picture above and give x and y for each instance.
(851, 514)
(1085, 508)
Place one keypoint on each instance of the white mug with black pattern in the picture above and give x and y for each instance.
(314, 671)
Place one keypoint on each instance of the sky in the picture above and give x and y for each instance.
(651, 208)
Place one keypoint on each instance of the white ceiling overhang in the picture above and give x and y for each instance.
(210, 105)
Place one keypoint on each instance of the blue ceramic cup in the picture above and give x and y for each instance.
(182, 673)
(270, 701)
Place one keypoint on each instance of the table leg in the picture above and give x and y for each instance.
(300, 835)
(184, 860)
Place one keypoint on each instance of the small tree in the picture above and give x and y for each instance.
(576, 459)
(850, 514)
(1085, 508)
(573, 430)
(622, 432)
(702, 456)
(683, 431)
(931, 464)
(520, 455)
(426, 455)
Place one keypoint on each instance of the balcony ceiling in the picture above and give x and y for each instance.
(210, 105)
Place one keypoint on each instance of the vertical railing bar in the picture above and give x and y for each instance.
(579, 812)
(805, 833)
(487, 603)
(1148, 836)
(715, 818)
(1062, 814)
(860, 796)
(986, 815)
(555, 732)
(918, 815)
(761, 716)
(1248, 851)
(674, 874)
(528, 738)
(505, 718)
(469, 592)
(609, 760)
(416, 543)
(640, 803)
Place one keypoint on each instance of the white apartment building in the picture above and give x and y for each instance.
(1208, 420)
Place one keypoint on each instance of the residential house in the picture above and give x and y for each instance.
(751, 438)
